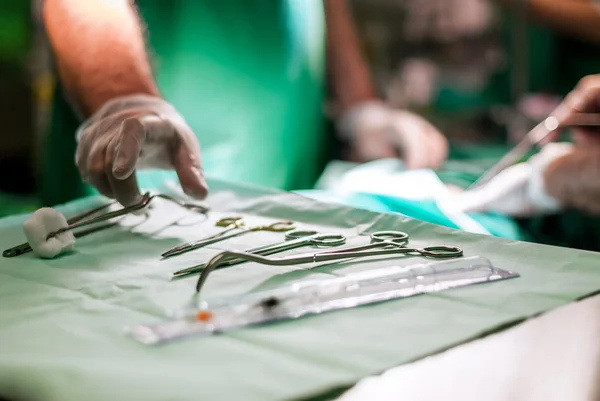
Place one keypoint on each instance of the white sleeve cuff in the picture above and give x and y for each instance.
(536, 192)
(536, 189)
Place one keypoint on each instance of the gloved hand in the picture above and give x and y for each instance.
(518, 191)
(132, 132)
(584, 98)
(375, 131)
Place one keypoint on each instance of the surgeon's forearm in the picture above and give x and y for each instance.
(348, 70)
(574, 180)
(580, 18)
(99, 50)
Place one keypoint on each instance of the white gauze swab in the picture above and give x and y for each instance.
(43, 222)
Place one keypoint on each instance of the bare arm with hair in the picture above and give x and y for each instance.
(102, 62)
(99, 50)
(349, 72)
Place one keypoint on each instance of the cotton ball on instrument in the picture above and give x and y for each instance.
(42, 223)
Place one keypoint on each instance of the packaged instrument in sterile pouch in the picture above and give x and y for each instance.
(318, 296)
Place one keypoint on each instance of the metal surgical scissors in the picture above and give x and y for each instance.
(83, 220)
(392, 242)
(294, 239)
(534, 137)
(230, 224)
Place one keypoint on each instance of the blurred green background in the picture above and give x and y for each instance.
(21, 73)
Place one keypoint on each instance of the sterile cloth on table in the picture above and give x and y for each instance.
(61, 336)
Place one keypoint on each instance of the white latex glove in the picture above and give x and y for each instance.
(376, 131)
(132, 132)
(518, 191)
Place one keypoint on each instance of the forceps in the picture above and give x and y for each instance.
(533, 138)
(392, 242)
(82, 220)
(294, 239)
(230, 224)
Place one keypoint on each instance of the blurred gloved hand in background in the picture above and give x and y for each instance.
(136, 132)
(585, 98)
(518, 191)
(376, 131)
